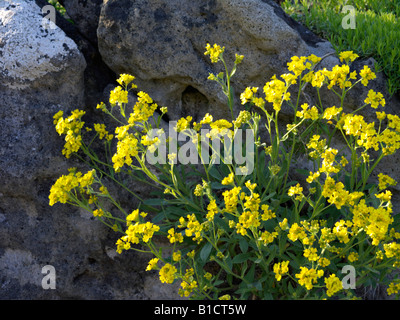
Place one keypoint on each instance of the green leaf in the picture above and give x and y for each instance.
(215, 173)
(205, 251)
(155, 202)
(250, 275)
(241, 257)
(244, 245)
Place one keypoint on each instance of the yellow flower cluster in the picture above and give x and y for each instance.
(103, 133)
(174, 237)
(214, 52)
(212, 210)
(392, 250)
(71, 127)
(375, 221)
(231, 199)
(188, 283)
(167, 273)
(135, 233)
(384, 181)
(333, 285)
(125, 79)
(127, 147)
(118, 96)
(375, 99)
(193, 227)
(393, 288)
(280, 269)
(61, 190)
(152, 265)
(143, 109)
(308, 277)
(276, 92)
(183, 124)
(307, 112)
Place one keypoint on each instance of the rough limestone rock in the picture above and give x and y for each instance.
(41, 72)
(162, 43)
(85, 14)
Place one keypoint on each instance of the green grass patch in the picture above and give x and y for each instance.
(376, 33)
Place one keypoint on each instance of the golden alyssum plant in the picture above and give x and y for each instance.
(237, 233)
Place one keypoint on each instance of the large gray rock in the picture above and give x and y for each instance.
(162, 43)
(85, 15)
(41, 72)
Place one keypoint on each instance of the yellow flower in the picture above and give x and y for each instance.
(225, 297)
(311, 254)
(296, 232)
(71, 127)
(338, 76)
(247, 95)
(215, 52)
(314, 59)
(126, 149)
(384, 196)
(331, 112)
(375, 99)
(380, 115)
(384, 181)
(313, 177)
(220, 127)
(340, 230)
(183, 124)
(60, 191)
(297, 65)
(307, 113)
(228, 180)
(212, 209)
(275, 93)
(318, 79)
(284, 224)
(297, 191)
(268, 214)
(176, 256)
(280, 269)
(174, 237)
(348, 56)
(324, 262)
(243, 117)
(208, 276)
(366, 75)
(248, 219)
(167, 273)
(193, 227)
(98, 213)
(57, 116)
(143, 109)
(231, 199)
(101, 130)
(268, 237)
(125, 79)
(393, 288)
(152, 264)
(118, 96)
(309, 277)
(238, 58)
(353, 256)
(133, 217)
(333, 285)
(191, 254)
